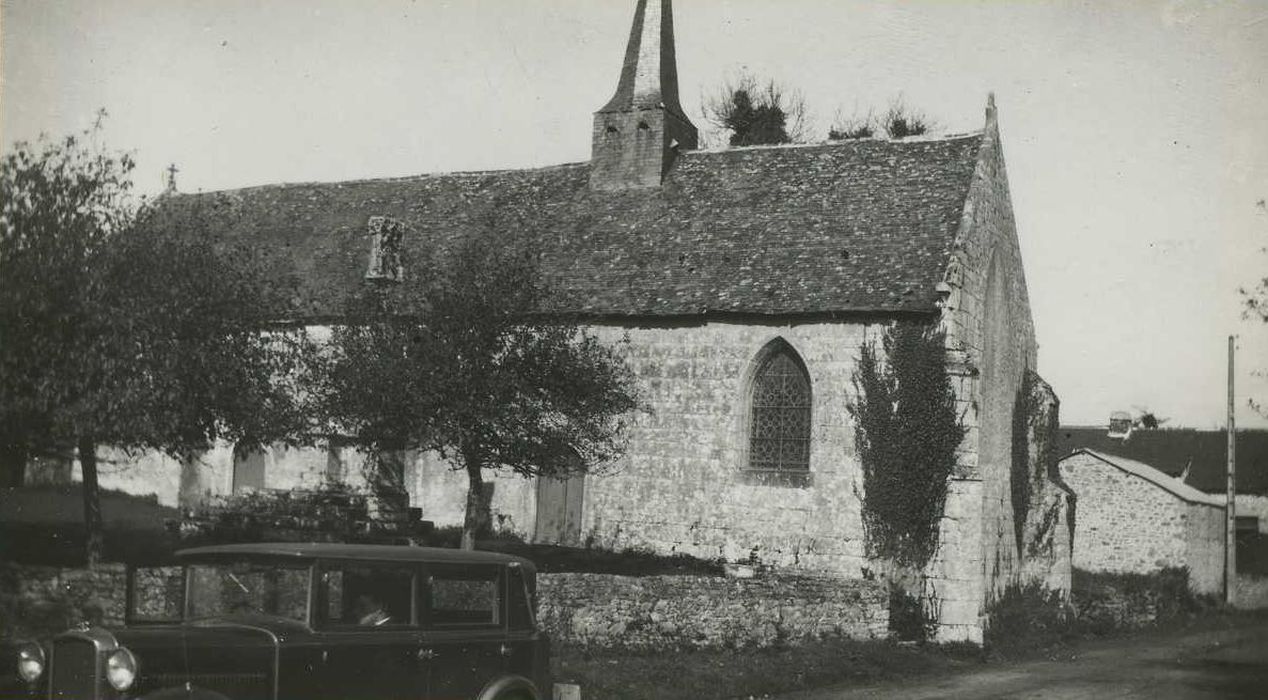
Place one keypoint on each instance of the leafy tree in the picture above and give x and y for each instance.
(901, 121)
(121, 327)
(1148, 420)
(756, 114)
(459, 358)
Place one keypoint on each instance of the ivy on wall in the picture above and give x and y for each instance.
(1034, 459)
(1020, 478)
(906, 433)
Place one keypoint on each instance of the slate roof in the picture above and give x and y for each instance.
(861, 226)
(1170, 451)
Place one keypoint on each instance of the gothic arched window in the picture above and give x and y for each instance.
(779, 425)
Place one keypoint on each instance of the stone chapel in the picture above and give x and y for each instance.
(740, 284)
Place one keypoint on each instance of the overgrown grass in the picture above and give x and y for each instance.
(731, 673)
(1029, 618)
(1109, 603)
(45, 525)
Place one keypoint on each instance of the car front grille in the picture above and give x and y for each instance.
(74, 671)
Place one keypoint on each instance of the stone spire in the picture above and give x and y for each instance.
(638, 132)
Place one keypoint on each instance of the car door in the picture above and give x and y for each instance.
(521, 646)
(368, 632)
(464, 642)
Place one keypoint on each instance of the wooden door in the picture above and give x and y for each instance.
(559, 509)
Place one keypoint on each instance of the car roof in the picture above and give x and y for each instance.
(361, 552)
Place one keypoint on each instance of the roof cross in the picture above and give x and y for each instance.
(171, 178)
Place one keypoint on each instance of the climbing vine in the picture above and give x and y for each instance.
(907, 431)
(1020, 479)
(1033, 458)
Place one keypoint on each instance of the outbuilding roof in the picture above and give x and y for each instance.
(1171, 484)
(1202, 453)
(856, 226)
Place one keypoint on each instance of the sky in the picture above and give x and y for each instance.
(1134, 132)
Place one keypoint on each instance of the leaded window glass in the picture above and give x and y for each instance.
(779, 435)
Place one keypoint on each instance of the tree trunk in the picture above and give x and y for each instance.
(94, 541)
(476, 521)
(12, 466)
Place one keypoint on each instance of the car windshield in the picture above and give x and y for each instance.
(253, 588)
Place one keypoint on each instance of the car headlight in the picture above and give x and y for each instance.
(121, 669)
(30, 662)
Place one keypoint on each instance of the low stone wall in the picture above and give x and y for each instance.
(668, 612)
(588, 610)
(36, 600)
(1251, 593)
(42, 599)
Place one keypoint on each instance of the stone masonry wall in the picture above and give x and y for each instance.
(1204, 544)
(661, 613)
(1126, 524)
(37, 600)
(681, 486)
(171, 481)
(991, 340)
(40, 597)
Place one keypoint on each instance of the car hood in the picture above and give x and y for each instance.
(216, 654)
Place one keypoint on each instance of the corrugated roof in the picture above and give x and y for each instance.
(849, 226)
(1203, 452)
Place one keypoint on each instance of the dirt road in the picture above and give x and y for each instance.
(1231, 663)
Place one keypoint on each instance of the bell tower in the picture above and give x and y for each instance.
(640, 130)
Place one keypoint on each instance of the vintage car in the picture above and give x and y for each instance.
(310, 621)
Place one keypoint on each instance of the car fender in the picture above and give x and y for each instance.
(184, 693)
(507, 684)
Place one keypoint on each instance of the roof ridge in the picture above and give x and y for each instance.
(392, 179)
(836, 143)
(1156, 477)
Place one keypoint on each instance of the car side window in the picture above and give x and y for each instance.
(463, 596)
(366, 596)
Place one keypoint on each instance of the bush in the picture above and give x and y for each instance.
(1027, 617)
(1109, 603)
(908, 618)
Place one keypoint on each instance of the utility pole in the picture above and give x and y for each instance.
(1230, 504)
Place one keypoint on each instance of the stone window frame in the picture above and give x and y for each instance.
(795, 478)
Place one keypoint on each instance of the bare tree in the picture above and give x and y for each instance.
(1255, 302)
(855, 126)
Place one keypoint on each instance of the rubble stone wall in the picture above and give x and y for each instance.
(1128, 524)
(694, 612)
